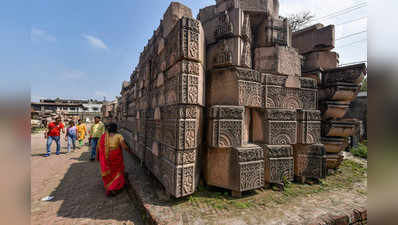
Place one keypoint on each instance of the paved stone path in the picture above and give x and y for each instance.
(77, 187)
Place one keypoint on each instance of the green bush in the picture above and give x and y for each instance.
(360, 151)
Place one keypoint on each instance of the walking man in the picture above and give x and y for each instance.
(96, 131)
(53, 133)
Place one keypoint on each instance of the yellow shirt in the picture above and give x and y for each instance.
(97, 130)
(81, 130)
(115, 141)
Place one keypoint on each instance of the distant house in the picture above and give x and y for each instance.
(68, 109)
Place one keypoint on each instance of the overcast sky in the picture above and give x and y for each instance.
(85, 49)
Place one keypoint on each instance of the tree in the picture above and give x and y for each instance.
(364, 86)
(297, 21)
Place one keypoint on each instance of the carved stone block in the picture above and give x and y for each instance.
(314, 38)
(227, 131)
(178, 180)
(277, 60)
(279, 163)
(320, 60)
(333, 109)
(306, 82)
(308, 127)
(181, 134)
(289, 98)
(178, 156)
(273, 32)
(185, 41)
(349, 74)
(310, 161)
(235, 86)
(238, 169)
(185, 89)
(173, 14)
(227, 24)
(277, 127)
(269, 7)
(229, 52)
(343, 92)
(333, 161)
(333, 128)
(334, 145)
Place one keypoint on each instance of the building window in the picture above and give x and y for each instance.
(95, 109)
(72, 108)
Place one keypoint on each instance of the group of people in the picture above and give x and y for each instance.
(106, 146)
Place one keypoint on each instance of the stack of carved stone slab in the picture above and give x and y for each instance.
(338, 86)
(165, 100)
(254, 90)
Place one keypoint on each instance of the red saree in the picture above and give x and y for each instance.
(112, 165)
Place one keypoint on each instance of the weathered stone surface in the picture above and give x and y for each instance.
(333, 109)
(270, 7)
(349, 74)
(320, 60)
(343, 92)
(310, 161)
(279, 164)
(227, 24)
(289, 98)
(308, 127)
(229, 52)
(343, 128)
(238, 169)
(226, 128)
(314, 38)
(235, 86)
(333, 145)
(173, 14)
(273, 32)
(277, 60)
(279, 127)
(333, 161)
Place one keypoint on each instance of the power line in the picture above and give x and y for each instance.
(342, 12)
(351, 21)
(351, 35)
(343, 46)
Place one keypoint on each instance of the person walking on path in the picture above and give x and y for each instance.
(53, 133)
(110, 156)
(81, 132)
(70, 137)
(96, 131)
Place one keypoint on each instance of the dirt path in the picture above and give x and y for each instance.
(75, 183)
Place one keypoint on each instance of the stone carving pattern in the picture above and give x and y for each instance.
(290, 98)
(283, 132)
(227, 133)
(224, 56)
(246, 60)
(224, 27)
(250, 154)
(248, 75)
(251, 175)
(250, 94)
(188, 180)
(281, 169)
(226, 112)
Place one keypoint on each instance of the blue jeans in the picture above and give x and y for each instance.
(50, 140)
(71, 140)
(93, 146)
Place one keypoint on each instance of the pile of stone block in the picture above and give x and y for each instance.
(236, 98)
(338, 87)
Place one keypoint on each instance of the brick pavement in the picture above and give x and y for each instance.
(77, 187)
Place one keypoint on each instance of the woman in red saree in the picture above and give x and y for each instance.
(110, 156)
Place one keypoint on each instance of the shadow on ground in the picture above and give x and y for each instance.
(83, 195)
